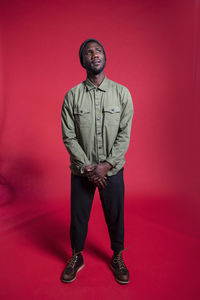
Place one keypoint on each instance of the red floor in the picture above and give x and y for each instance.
(163, 252)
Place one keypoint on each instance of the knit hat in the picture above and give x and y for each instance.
(82, 47)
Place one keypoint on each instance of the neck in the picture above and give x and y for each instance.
(96, 79)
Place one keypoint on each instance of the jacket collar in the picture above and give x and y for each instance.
(104, 86)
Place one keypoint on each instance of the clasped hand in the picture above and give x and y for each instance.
(98, 174)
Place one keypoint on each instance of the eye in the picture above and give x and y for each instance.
(88, 52)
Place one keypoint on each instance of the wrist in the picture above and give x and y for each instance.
(108, 165)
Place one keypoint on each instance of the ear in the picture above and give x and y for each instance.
(83, 62)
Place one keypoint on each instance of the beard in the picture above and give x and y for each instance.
(95, 70)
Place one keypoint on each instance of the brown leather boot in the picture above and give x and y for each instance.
(119, 269)
(74, 264)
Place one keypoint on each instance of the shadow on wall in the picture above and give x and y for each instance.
(25, 212)
(39, 223)
(20, 178)
(7, 192)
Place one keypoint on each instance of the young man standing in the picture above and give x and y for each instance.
(96, 126)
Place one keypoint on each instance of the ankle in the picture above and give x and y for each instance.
(117, 253)
(74, 252)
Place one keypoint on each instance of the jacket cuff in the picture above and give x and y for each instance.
(111, 162)
(82, 168)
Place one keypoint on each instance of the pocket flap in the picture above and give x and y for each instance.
(112, 109)
(80, 111)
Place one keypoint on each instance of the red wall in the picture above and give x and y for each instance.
(152, 48)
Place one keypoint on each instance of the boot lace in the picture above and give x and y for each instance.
(72, 260)
(118, 259)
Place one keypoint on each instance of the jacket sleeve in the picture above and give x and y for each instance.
(77, 155)
(122, 140)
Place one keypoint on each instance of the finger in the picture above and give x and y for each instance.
(100, 185)
(89, 171)
(91, 175)
(96, 177)
(89, 168)
(103, 183)
(93, 179)
(96, 180)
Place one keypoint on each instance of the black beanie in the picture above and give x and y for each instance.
(83, 46)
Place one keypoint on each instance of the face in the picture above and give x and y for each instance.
(94, 58)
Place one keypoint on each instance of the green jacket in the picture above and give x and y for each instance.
(96, 124)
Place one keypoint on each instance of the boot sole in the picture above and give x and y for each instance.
(119, 281)
(66, 281)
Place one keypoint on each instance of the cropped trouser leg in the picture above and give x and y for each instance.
(112, 199)
(82, 194)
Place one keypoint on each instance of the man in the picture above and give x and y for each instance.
(96, 125)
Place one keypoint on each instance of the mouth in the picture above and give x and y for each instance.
(96, 62)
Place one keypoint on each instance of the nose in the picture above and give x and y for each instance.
(95, 54)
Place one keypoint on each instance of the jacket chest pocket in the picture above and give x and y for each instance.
(82, 117)
(112, 115)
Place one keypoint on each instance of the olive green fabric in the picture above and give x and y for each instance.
(96, 124)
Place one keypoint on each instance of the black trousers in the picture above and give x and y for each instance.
(112, 200)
